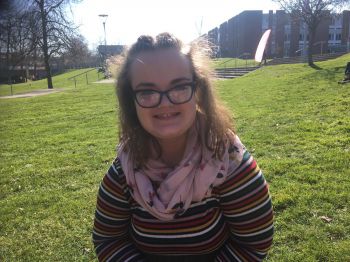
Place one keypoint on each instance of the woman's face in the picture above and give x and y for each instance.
(162, 70)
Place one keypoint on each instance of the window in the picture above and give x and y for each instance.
(286, 49)
(286, 37)
(287, 32)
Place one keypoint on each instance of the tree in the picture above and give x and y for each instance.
(311, 12)
(77, 53)
(17, 38)
(55, 29)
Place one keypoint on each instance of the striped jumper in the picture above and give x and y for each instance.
(234, 224)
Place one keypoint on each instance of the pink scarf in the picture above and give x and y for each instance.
(166, 192)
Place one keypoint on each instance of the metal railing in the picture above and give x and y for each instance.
(245, 56)
(86, 77)
(330, 49)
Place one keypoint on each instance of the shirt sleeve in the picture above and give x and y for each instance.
(112, 219)
(247, 208)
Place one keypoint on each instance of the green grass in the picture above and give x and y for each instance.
(59, 82)
(233, 62)
(294, 119)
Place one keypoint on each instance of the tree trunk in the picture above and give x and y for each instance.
(47, 69)
(34, 69)
(312, 32)
(45, 45)
(9, 80)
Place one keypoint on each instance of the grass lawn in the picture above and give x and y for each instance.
(61, 81)
(294, 119)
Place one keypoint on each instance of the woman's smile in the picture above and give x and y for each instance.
(167, 116)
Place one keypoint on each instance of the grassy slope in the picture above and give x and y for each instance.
(59, 81)
(294, 119)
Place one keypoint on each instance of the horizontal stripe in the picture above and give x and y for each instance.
(178, 235)
(250, 210)
(255, 233)
(112, 196)
(243, 186)
(192, 225)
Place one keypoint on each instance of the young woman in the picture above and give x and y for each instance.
(183, 187)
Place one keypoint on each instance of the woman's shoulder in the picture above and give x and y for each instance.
(113, 185)
(240, 159)
(115, 171)
(236, 152)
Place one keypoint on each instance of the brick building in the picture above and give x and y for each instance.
(240, 35)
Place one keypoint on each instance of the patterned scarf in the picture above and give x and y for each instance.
(168, 192)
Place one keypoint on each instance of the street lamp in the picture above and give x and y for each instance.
(104, 18)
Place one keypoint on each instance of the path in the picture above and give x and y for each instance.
(39, 92)
(105, 81)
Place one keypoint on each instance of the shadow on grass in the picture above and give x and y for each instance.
(338, 68)
(315, 67)
(331, 75)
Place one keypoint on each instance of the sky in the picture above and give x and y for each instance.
(127, 20)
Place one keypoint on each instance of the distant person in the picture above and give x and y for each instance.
(347, 72)
(263, 59)
(183, 187)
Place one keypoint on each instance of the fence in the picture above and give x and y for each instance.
(86, 77)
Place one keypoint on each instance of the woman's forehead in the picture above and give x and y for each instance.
(159, 66)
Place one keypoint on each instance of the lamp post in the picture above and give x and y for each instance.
(104, 18)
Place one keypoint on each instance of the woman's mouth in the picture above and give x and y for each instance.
(167, 116)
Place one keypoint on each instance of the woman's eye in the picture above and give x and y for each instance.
(182, 87)
(146, 92)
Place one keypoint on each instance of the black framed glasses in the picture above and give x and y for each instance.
(178, 94)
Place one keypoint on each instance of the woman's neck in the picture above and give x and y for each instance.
(173, 150)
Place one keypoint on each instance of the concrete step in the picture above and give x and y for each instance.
(237, 69)
(227, 76)
(233, 72)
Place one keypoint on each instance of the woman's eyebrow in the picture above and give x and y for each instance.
(180, 79)
(145, 84)
(173, 82)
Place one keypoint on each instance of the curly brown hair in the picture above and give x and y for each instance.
(217, 117)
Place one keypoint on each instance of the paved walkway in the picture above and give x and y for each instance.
(39, 92)
(105, 81)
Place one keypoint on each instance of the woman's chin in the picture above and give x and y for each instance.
(169, 134)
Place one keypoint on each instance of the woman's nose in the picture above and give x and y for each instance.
(164, 101)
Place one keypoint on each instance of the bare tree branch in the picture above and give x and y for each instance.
(311, 12)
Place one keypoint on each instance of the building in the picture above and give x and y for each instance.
(240, 35)
(18, 70)
(110, 50)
